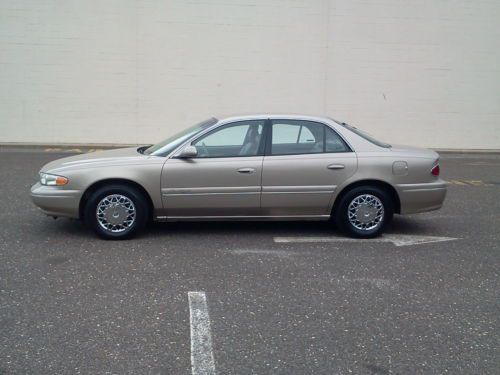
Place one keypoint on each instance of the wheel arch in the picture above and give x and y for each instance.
(370, 182)
(109, 181)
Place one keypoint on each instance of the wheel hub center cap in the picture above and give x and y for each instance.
(366, 213)
(115, 215)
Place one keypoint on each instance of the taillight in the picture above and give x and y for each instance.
(435, 170)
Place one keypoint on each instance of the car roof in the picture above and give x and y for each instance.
(288, 116)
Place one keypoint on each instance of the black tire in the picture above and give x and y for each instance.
(139, 204)
(341, 214)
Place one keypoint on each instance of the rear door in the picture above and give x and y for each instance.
(225, 177)
(305, 161)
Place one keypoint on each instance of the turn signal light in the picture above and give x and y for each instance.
(61, 180)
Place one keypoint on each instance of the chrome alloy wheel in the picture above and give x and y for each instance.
(116, 213)
(365, 212)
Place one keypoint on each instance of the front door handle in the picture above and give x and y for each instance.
(336, 166)
(246, 170)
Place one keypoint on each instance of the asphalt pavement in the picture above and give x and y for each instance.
(273, 298)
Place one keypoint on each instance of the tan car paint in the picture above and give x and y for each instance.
(279, 187)
(87, 169)
(303, 185)
(212, 186)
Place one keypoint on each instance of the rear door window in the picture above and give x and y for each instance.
(291, 137)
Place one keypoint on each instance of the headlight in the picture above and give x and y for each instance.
(52, 179)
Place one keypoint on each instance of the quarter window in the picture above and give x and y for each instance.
(333, 142)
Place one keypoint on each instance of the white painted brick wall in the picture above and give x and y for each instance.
(421, 72)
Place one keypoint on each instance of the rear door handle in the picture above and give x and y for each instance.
(336, 166)
(246, 170)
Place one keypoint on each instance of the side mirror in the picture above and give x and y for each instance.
(188, 152)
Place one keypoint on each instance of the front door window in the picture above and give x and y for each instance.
(231, 140)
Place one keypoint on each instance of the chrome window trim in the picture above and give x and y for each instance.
(265, 118)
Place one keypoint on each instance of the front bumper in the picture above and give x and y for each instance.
(54, 201)
(415, 198)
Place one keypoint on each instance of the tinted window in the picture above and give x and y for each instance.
(304, 137)
(334, 143)
(236, 139)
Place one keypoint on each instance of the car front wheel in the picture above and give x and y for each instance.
(116, 212)
(364, 211)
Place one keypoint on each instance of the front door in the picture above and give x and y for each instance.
(305, 162)
(224, 179)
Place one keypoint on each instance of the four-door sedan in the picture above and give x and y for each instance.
(266, 167)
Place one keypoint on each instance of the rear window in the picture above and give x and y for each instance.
(364, 135)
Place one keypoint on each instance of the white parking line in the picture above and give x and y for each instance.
(202, 357)
(397, 240)
(277, 253)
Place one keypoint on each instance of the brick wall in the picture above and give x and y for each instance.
(419, 72)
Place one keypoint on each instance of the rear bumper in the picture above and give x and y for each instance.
(54, 201)
(415, 198)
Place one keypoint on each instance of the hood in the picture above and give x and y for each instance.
(118, 156)
(414, 151)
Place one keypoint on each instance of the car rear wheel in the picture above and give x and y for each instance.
(116, 212)
(364, 212)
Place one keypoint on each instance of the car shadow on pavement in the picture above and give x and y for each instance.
(65, 228)
(399, 225)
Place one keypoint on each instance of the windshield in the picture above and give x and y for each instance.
(364, 135)
(168, 145)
